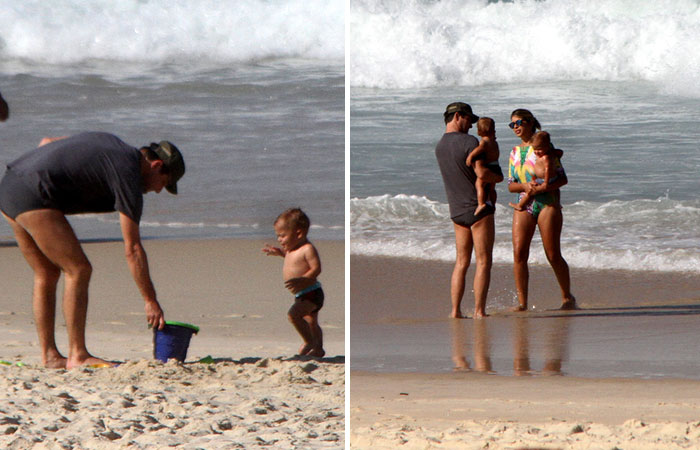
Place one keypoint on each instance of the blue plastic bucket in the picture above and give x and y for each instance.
(173, 341)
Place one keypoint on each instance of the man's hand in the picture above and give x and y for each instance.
(154, 315)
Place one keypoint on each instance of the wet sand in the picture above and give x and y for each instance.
(620, 371)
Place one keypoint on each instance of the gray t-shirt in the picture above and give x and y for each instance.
(451, 153)
(87, 173)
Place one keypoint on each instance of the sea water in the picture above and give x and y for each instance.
(251, 91)
(616, 83)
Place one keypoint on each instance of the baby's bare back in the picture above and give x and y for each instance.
(542, 165)
(492, 152)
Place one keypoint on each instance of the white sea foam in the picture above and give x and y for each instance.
(425, 43)
(659, 234)
(165, 31)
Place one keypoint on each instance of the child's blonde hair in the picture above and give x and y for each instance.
(294, 218)
(485, 126)
(542, 140)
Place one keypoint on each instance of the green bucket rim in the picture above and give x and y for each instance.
(183, 324)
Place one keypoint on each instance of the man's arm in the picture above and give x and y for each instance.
(478, 151)
(138, 264)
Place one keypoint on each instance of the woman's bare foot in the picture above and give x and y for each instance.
(456, 315)
(569, 304)
(519, 308)
(480, 315)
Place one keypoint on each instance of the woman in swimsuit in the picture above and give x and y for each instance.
(543, 213)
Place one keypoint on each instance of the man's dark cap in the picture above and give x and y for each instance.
(462, 108)
(172, 159)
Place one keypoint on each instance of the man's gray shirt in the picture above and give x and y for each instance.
(87, 173)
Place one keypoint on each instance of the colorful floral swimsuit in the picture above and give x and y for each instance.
(521, 169)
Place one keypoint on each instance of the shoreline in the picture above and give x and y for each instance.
(391, 279)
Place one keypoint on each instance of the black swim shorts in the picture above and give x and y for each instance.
(17, 196)
(468, 219)
(316, 297)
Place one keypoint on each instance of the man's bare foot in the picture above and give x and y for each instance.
(56, 363)
(480, 315)
(87, 361)
(479, 209)
(569, 304)
(456, 315)
(516, 207)
(519, 308)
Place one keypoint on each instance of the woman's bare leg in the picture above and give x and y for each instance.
(523, 229)
(550, 224)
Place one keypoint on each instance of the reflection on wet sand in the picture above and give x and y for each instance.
(550, 335)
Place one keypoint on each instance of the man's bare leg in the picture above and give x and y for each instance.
(46, 275)
(463, 245)
(483, 234)
(55, 239)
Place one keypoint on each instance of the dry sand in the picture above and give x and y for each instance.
(477, 411)
(255, 393)
(472, 410)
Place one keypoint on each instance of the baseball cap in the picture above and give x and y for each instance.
(463, 109)
(172, 159)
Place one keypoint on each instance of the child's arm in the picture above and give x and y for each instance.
(309, 277)
(269, 250)
(478, 151)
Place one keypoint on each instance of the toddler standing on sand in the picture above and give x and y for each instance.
(487, 152)
(302, 266)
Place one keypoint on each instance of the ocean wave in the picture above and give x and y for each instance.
(167, 31)
(428, 43)
(649, 234)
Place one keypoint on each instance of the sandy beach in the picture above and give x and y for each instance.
(476, 411)
(621, 372)
(252, 393)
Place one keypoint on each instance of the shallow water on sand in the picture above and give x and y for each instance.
(600, 343)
